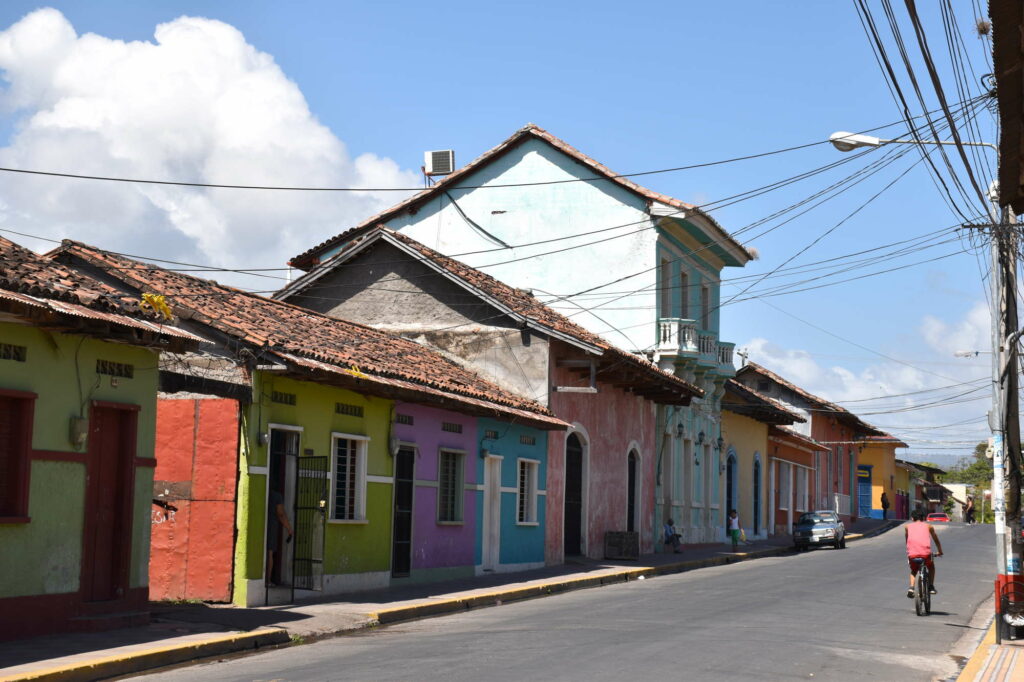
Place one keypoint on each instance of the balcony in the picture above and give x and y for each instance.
(681, 344)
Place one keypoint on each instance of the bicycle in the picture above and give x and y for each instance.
(922, 587)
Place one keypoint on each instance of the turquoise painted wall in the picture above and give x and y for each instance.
(52, 542)
(520, 544)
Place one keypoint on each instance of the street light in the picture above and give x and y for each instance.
(847, 142)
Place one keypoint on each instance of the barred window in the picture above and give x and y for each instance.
(115, 369)
(528, 440)
(348, 471)
(526, 502)
(9, 351)
(406, 419)
(283, 398)
(350, 410)
(491, 435)
(451, 427)
(449, 486)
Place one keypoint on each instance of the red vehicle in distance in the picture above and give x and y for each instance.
(938, 517)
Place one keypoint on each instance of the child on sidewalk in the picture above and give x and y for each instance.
(734, 529)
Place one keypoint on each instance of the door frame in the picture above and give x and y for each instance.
(490, 551)
(126, 472)
(414, 449)
(290, 476)
(584, 439)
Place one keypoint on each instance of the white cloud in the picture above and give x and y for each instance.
(933, 366)
(197, 104)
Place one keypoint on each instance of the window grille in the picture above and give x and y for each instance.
(451, 427)
(283, 398)
(347, 491)
(527, 498)
(350, 410)
(528, 440)
(11, 352)
(491, 435)
(404, 419)
(115, 369)
(449, 483)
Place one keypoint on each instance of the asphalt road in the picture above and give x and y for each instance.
(826, 615)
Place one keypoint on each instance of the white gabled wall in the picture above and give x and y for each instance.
(523, 215)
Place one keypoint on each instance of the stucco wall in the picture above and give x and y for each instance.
(522, 544)
(387, 289)
(197, 463)
(435, 544)
(61, 370)
(518, 215)
(350, 548)
(612, 422)
(882, 459)
(748, 439)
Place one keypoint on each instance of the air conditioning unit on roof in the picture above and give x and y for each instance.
(439, 162)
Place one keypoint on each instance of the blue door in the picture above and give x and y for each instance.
(864, 491)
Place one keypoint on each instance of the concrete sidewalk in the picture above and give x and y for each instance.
(181, 633)
(992, 662)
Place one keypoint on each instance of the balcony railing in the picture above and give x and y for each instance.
(677, 335)
(725, 354)
(708, 347)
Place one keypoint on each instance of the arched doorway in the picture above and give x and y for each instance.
(757, 495)
(730, 484)
(631, 492)
(573, 523)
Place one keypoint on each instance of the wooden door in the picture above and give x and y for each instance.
(573, 495)
(401, 545)
(108, 526)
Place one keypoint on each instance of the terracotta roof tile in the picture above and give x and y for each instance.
(285, 328)
(772, 406)
(311, 256)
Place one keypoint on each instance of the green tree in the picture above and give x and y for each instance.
(975, 470)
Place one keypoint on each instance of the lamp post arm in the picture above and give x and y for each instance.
(943, 142)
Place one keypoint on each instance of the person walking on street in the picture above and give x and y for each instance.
(734, 529)
(885, 506)
(969, 510)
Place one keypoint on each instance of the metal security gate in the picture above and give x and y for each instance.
(310, 516)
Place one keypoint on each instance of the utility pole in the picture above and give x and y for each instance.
(1004, 417)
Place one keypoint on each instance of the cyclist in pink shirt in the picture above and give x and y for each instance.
(919, 537)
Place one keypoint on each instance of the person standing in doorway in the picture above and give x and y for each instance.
(277, 518)
(734, 528)
(885, 506)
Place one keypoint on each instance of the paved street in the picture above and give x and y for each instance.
(827, 614)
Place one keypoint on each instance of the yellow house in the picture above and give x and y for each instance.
(746, 417)
(876, 466)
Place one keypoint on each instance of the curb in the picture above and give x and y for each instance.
(499, 597)
(158, 657)
(981, 654)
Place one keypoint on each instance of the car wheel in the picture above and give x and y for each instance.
(842, 543)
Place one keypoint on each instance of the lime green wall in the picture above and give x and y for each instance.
(348, 547)
(53, 538)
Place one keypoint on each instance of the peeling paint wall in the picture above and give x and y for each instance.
(613, 421)
(387, 289)
(44, 556)
(197, 453)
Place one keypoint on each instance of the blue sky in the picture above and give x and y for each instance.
(638, 86)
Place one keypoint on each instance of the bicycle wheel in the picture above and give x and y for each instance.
(926, 591)
(920, 591)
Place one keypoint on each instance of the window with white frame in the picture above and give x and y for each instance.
(785, 494)
(449, 486)
(526, 501)
(348, 477)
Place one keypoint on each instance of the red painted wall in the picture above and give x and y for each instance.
(613, 419)
(192, 548)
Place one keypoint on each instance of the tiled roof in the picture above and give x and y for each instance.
(307, 259)
(762, 407)
(841, 412)
(27, 272)
(886, 439)
(787, 432)
(364, 353)
(524, 304)
(29, 281)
